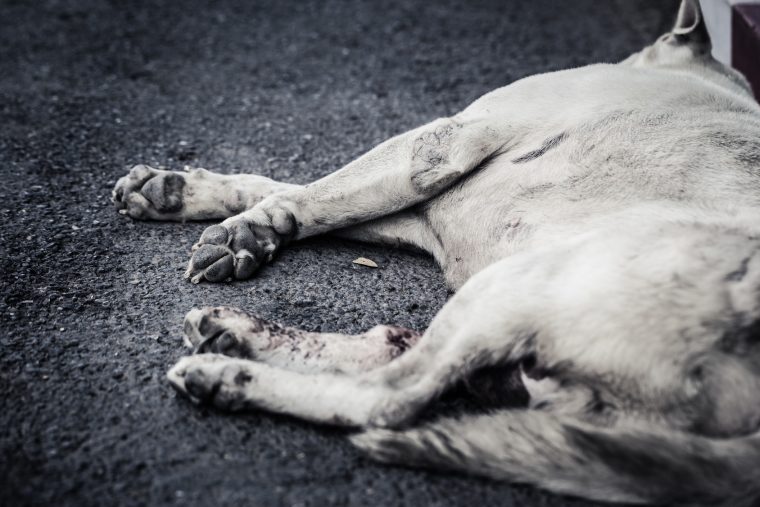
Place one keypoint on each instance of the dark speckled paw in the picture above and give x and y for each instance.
(212, 379)
(234, 249)
(220, 330)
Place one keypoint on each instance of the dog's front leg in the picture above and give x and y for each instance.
(400, 172)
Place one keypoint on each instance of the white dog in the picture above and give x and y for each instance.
(602, 228)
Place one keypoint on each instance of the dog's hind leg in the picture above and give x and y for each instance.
(399, 173)
(235, 333)
(484, 324)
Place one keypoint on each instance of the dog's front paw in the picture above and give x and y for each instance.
(148, 193)
(233, 249)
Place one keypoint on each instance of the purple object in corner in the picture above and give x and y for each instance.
(745, 43)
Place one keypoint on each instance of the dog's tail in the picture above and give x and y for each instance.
(566, 456)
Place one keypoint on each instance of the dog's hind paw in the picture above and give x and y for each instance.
(146, 193)
(227, 331)
(213, 379)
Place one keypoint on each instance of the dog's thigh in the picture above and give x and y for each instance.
(235, 333)
(146, 193)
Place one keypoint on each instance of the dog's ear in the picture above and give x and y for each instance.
(690, 27)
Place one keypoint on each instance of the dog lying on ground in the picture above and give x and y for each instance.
(601, 227)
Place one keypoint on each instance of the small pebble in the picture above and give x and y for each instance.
(363, 261)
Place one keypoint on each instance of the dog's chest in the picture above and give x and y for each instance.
(598, 166)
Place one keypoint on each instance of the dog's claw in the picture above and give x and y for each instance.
(211, 262)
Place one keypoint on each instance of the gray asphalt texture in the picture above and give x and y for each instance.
(91, 303)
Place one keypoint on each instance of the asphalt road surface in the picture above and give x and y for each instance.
(91, 303)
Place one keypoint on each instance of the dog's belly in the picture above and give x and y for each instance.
(527, 196)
